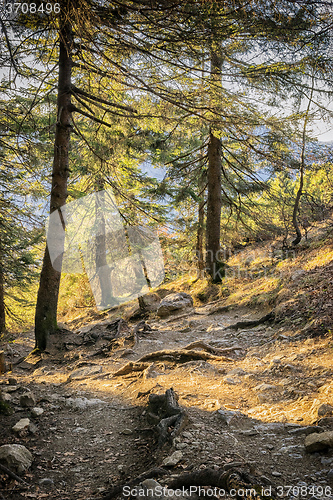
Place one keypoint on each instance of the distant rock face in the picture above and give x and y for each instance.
(16, 457)
(318, 442)
(174, 302)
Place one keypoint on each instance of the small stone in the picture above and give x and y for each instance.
(227, 416)
(187, 435)
(232, 381)
(325, 410)
(21, 425)
(266, 387)
(318, 442)
(46, 482)
(6, 397)
(37, 412)
(173, 459)
(127, 432)
(12, 381)
(27, 400)
(330, 474)
(276, 474)
(16, 457)
(33, 428)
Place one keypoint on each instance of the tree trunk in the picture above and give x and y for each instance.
(214, 201)
(214, 205)
(296, 205)
(2, 295)
(47, 299)
(201, 219)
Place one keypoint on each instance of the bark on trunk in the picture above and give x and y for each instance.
(214, 205)
(2, 296)
(200, 231)
(214, 267)
(47, 299)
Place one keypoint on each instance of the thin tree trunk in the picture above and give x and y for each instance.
(302, 168)
(47, 299)
(214, 201)
(2, 295)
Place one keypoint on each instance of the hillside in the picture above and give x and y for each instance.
(251, 394)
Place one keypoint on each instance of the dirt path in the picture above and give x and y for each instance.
(94, 430)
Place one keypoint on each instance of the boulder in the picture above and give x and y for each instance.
(318, 442)
(16, 457)
(174, 302)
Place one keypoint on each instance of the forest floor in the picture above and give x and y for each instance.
(252, 405)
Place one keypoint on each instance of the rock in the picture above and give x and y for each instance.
(37, 412)
(326, 421)
(82, 403)
(27, 400)
(228, 416)
(16, 457)
(232, 381)
(173, 459)
(46, 482)
(32, 428)
(330, 474)
(21, 425)
(291, 449)
(84, 372)
(325, 410)
(5, 397)
(174, 302)
(127, 432)
(236, 371)
(310, 429)
(326, 461)
(318, 442)
(266, 387)
(10, 388)
(12, 381)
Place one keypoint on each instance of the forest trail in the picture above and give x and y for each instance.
(252, 405)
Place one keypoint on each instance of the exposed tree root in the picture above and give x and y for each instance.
(172, 417)
(248, 324)
(200, 344)
(174, 355)
(238, 481)
(116, 490)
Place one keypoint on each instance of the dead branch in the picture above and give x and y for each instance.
(12, 474)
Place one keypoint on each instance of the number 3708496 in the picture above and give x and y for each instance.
(32, 8)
